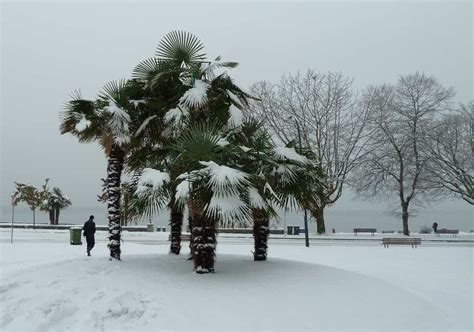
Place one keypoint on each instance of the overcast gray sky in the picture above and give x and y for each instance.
(51, 49)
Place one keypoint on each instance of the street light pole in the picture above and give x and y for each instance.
(306, 235)
(13, 218)
(14, 202)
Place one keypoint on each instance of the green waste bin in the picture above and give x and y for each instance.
(76, 233)
(150, 227)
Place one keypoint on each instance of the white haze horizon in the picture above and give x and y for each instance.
(52, 49)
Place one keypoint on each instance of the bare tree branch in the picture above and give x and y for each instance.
(331, 120)
(396, 161)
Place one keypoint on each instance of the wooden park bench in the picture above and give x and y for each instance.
(447, 231)
(413, 241)
(365, 230)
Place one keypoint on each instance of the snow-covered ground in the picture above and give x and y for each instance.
(49, 285)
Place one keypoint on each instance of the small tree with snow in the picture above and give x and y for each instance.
(53, 203)
(31, 195)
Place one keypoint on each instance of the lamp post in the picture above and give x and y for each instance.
(306, 236)
(14, 203)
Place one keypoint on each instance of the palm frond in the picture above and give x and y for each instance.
(75, 110)
(196, 97)
(115, 90)
(118, 124)
(145, 205)
(180, 47)
(152, 180)
(152, 69)
(224, 83)
(198, 142)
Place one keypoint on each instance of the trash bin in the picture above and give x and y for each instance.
(289, 230)
(75, 235)
(296, 230)
(150, 227)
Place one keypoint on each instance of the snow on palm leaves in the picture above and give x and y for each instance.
(201, 164)
(228, 185)
(196, 97)
(118, 123)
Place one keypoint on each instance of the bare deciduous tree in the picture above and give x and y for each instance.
(331, 123)
(450, 148)
(395, 163)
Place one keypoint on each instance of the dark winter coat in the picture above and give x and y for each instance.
(89, 228)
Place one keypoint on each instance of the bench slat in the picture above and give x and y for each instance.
(454, 232)
(365, 230)
(414, 242)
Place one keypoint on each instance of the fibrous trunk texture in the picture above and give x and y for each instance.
(51, 216)
(260, 234)
(114, 173)
(56, 217)
(203, 240)
(176, 224)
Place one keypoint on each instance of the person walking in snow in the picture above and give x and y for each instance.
(435, 226)
(89, 231)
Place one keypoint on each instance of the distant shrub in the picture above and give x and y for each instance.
(425, 230)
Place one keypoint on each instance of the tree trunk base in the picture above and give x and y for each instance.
(203, 244)
(405, 221)
(176, 224)
(321, 228)
(260, 235)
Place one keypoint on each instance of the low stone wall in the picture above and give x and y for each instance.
(129, 228)
(66, 227)
(245, 231)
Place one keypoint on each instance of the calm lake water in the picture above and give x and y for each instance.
(341, 219)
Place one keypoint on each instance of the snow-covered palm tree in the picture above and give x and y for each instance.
(111, 120)
(181, 84)
(53, 203)
(196, 160)
(209, 184)
(281, 177)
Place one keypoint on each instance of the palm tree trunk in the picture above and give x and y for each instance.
(56, 217)
(114, 173)
(176, 224)
(51, 216)
(260, 234)
(203, 240)
(125, 210)
(190, 227)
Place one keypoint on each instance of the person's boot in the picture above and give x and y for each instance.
(88, 253)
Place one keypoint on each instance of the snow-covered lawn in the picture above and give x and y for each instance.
(49, 285)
